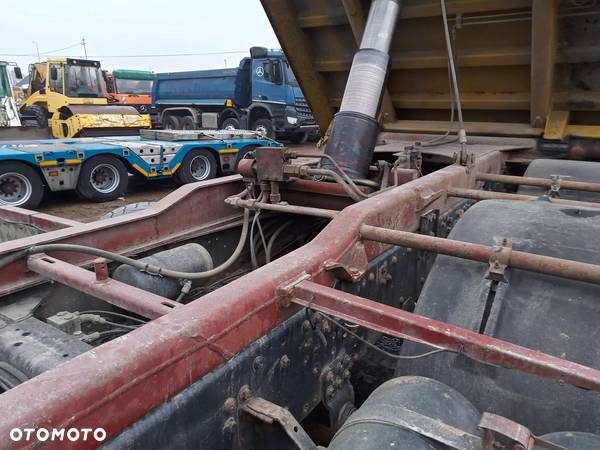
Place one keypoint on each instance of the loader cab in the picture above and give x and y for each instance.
(69, 96)
(59, 82)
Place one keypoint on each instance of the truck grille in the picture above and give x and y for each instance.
(304, 113)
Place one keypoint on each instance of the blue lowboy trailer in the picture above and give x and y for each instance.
(99, 168)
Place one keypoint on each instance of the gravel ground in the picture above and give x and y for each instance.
(70, 206)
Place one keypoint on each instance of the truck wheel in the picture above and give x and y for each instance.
(198, 165)
(38, 113)
(265, 127)
(299, 138)
(102, 179)
(20, 185)
(172, 123)
(230, 124)
(188, 123)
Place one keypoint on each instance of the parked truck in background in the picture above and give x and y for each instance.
(129, 87)
(69, 96)
(9, 113)
(262, 94)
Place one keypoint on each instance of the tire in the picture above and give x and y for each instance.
(188, 123)
(102, 179)
(172, 123)
(20, 185)
(299, 138)
(198, 165)
(127, 209)
(38, 113)
(230, 124)
(265, 126)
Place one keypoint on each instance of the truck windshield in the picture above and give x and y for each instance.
(126, 86)
(4, 85)
(83, 81)
(291, 78)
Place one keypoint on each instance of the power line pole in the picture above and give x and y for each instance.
(84, 49)
(37, 49)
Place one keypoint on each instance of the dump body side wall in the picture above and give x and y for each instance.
(518, 60)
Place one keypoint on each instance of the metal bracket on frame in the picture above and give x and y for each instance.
(522, 437)
(555, 187)
(285, 292)
(456, 438)
(351, 266)
(270, 413)
(499, 261)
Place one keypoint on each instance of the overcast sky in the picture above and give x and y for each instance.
(134, 27)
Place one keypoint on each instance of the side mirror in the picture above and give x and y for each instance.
(53, 73)
(18, 73)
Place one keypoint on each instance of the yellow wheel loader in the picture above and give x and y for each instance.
(69, 96)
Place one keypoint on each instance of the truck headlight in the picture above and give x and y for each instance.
(292, 120)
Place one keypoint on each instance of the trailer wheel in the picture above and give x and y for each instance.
(265, 127)
(20, 185)
(198, 165)
(102, 179)
(172, 123)
(188, 123)
(230, 124)
(38, 113)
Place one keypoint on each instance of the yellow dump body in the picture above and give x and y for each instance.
(526, 67)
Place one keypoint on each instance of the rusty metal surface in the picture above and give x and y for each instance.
(475, 194)
(131, 375)
(192, 210)
(285, 208)
(517, 433)
(557, 183)
(516, 58)
(17, 223)
(574, 270)
(399, 323)
(99, 285)
(43, 221)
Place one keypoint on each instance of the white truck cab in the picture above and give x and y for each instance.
(9, 113)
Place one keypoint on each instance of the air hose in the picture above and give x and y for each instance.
(148, 268)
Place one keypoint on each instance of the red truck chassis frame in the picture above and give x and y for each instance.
(117, 383)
